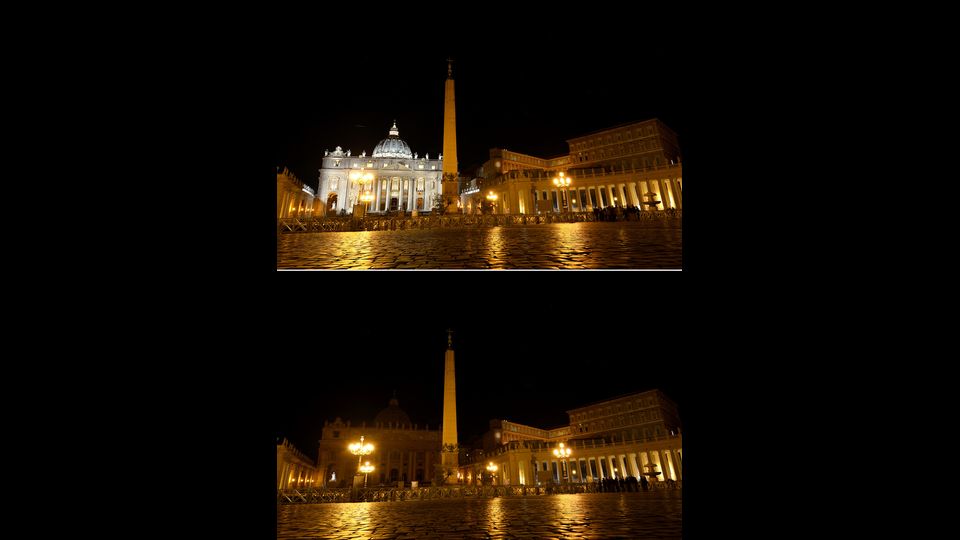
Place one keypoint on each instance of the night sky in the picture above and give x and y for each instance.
(527, 87)
(526, 371)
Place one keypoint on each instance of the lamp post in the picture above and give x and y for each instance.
(359, 449)
(492, 197)
(533, 196)
(366, 469)
(562, 453)
(562, 182)
(493, 472)
(361, 178)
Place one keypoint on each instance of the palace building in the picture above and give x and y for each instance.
(626, 436)
(636, 164)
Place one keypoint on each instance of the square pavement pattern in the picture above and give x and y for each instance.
(617, 245)
(592, 515)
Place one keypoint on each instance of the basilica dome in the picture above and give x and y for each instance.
(393, 414)
(393, 146)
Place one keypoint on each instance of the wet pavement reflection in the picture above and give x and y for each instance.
(599, 245)
(593, 515)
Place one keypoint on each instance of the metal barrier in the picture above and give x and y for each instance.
(379, 223)
(379, 494)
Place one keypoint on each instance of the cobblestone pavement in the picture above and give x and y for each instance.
(593, 515)
(632, 244)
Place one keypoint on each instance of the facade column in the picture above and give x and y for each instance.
(632, 189)
(676, 192)
(664, 464)
(376, 196)
(676, 464)
(610, 194)
(664, 196)
(633, 465)
(413, 193)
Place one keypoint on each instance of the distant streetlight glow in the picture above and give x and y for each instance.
(362, 178)
(562, 453)
(366, 469)
(493, 471)
(562, 181)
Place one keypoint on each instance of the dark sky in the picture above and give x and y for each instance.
(527, 87)
(507, 367)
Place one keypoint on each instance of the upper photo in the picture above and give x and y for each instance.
(483, 159)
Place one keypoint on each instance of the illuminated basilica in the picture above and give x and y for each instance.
(393, 177)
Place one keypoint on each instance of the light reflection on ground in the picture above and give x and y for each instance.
(623, 245)
(593, 515)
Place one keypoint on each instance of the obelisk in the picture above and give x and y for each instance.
(451, 190)
(449, 453)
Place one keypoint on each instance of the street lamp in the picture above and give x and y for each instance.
(493, 471)
(366, 469)
(361, 178)
(359, 449)
(562, 453)
(492, 197)
(562, 182)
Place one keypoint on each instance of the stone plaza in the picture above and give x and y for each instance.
(594, 515)
(653, 244)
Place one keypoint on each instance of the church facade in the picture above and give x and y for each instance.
(394, 178)
(402, 451)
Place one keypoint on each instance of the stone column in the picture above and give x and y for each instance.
(664, 196)
(676, 192)
(633, 464)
